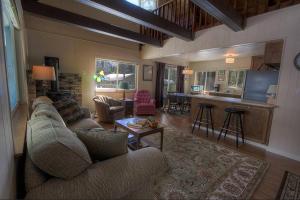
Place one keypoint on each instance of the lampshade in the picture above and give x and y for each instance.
(229, 60)
(45, 73)
(187, 71)
(124, 85)
(272, 89)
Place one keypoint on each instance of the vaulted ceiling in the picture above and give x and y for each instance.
(176, 18)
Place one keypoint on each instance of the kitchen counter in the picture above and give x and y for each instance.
(257, 119)
(234, 100)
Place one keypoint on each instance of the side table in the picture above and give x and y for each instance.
(128, 104)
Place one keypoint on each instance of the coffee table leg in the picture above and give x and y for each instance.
(137, 142)
(161, 140)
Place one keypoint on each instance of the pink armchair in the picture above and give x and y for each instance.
(143, 104)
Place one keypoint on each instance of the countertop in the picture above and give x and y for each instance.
(234, 100)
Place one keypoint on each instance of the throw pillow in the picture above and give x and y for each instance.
(69, 110)
(41, 100)
(55, 149)
(103, 144)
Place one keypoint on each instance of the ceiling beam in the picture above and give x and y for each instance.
(222, 12)
(136, 14)
(87, 23)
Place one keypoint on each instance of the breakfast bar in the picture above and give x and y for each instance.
(257, 119)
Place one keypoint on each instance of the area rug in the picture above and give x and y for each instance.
(290, 187)
(200, 169)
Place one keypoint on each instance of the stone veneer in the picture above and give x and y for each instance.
(69, 82)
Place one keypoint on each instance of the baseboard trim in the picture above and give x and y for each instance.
(262, 146)
(284, 154)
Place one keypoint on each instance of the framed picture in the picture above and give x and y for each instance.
(147, 72)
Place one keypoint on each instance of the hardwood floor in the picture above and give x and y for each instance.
(278, 164)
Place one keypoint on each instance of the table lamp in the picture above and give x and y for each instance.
(40, 74)
(125, 86)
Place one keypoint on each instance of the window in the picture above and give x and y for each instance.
(206, 80)
(146, 4)
(114, 72)
(10, 59)
(236, 78)
(170, 79)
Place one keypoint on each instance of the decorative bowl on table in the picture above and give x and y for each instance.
(152, 122)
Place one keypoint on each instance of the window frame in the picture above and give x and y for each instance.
(8, 19)
(169, 68)
(117, 89)
(205, 81)
(237, 76)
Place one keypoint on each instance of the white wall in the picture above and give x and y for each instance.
(77, 50)
(7, 163)
(280, 24)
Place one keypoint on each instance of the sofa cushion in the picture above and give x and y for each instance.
(86, 123)
(55, 149)
(47, 110)
(41, 100)
(103, 144)
(69, 110)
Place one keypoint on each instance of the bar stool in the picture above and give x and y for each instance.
(204, 107)
(186, 105)
(237, 114)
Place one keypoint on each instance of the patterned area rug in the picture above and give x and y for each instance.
(290, 187)
(200, 169)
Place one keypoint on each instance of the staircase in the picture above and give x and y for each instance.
(191, 17)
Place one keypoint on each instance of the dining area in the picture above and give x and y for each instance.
(179, 103)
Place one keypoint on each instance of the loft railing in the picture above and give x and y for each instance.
(189, 16)
(184, 13)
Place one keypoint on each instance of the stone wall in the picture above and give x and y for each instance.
(69, 82)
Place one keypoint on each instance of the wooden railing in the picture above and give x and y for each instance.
(189, 16)
(184, 13)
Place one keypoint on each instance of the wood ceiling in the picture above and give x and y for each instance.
(176, 18)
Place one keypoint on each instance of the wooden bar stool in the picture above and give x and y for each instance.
(236, 113)
(204, 107)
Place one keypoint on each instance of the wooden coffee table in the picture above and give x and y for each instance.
(139, 133)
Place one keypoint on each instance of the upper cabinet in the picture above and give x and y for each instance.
(257, 62)
(273, 52)
(271, 59)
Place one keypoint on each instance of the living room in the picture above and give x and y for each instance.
(148, 99)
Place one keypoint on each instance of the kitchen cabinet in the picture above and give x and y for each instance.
(257, 62)
(257, 119)
(273, 52)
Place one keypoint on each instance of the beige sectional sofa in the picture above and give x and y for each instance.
(59, 166)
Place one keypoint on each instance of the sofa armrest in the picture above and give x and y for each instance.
(152, 101)
(101, 106)
(86, 111)
(110, 179)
